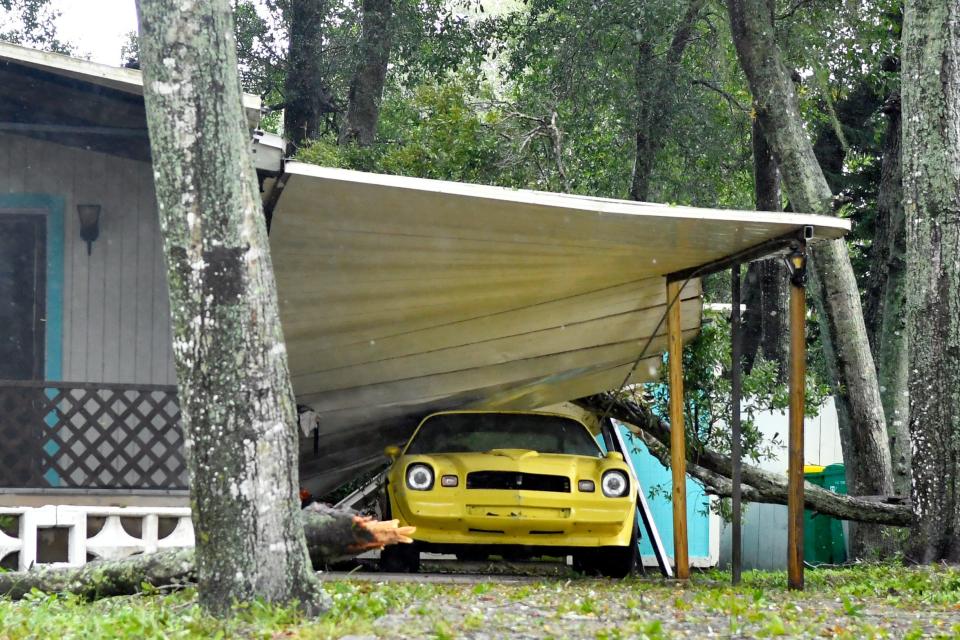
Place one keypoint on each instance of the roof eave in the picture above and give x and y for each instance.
(117, 78)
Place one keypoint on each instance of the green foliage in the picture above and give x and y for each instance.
(706, 364)
(707, 394)
(31, 23)
(847, 55)
(866, 601)
(596, 66)
(542, 95)
(130, 50)
(429, 38)
(363, 601)
(261, 34)
(178, 615)
(9, 524)
(435, 131)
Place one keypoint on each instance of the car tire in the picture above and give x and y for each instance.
(397, 558)
(400, 558)
(609, 562)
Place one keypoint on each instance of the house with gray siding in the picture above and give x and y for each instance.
(88, 401)
(91, 459)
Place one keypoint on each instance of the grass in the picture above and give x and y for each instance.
(876, 601)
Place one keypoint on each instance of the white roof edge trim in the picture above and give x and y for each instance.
(827, 226)
(120, 78)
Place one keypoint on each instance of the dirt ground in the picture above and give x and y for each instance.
(855, 605)
(507, 600)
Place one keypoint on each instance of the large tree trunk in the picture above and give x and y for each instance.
(331, 536)
(850, 365)
(653, 78)
(236, 402)
(714, 470)
(931, 184)
(643, 133)
(885, 302)
(366, 86)
(307, 97)
(767, 283)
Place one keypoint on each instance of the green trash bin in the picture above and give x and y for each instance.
(823, 539)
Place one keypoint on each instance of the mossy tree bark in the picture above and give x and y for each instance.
(236, 401)
(366, 86)
(850, 364)
(654, 72)
(931, 181)
(308, 99)
(768, 281)
(884, 306)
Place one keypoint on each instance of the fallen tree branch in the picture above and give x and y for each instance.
(104, 578)
(332, 535)
(714, 482)
(714, 470)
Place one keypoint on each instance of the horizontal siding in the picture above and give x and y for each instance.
(116, 325)
(765, 525)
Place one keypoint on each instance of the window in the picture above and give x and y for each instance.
(480, 432)
(22, 295)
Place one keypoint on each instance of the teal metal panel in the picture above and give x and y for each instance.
(653, 475)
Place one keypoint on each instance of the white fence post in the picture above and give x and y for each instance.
(112, 541)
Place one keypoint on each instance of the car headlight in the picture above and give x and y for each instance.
(420, 477)
(614, 484)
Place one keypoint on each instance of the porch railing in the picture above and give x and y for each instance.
(78, 435)
(107, 533)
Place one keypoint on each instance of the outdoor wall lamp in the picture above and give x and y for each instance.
(797, 262)
(89, 223)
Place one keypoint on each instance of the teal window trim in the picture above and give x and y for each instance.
(53, 332)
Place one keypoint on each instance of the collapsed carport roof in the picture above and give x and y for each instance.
(400, 296)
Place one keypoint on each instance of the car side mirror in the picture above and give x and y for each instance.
(615, 455)
(392, 452)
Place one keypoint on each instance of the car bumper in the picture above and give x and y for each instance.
(517, 518)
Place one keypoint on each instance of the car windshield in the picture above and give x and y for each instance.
(480, 432)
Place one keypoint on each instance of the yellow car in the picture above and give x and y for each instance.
(515, 484)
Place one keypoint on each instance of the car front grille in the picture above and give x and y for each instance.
(514, 480)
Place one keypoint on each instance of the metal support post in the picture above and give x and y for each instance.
(736, 555)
